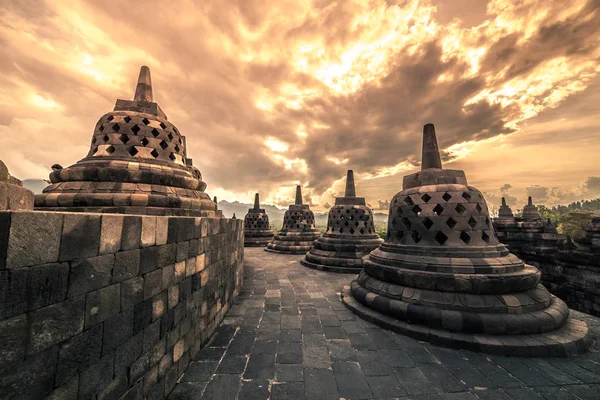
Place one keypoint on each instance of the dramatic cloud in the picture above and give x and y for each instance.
(592, 184)
(271, 94)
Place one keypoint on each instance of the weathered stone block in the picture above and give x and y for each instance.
(183, 251)
(162, 230)
(142, 315)
(132, 232)
(117, 330)
(102, 304)
(80, 236)
(190, 266)
(166, 255)
(13, 339)
(78, 353)
(68, 391)
(132, 292)
(179, 272)
(55, 323)
(32, 379)
(148, 231)
(111, 233)
(151, 335)
(96, 377)
(148, 259)
(127, 265)
(127, 353)
(115, 389)
(159, 305)
(34, 238)
(87, 275)
(152, 283)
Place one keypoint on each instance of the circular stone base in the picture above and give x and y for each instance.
(256, 243)
(289, 249)
(572, 338)
(330, 268)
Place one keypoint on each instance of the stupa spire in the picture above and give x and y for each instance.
(256, 202)
(431, 153)
(529, 201)
(215, 199)
(350, 188)
(503, 202)
(143, 90)
(298, 195)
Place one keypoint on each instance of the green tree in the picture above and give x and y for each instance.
(573, 223)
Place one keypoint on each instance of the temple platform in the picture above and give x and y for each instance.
(288, 336)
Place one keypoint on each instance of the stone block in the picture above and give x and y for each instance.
(34, 238)
(159, 305)
(68, 391)
(179, 272)
(166, 255)
(183, 251)
(117, 330)
(142, 315)
(102, 304)
(13, 339)
(80, 236)
(162, 230)
(54, 324)
(115, 389)
(111, 233)
(132, 232)
(96, 377)
(173, 296)
(148, 231)
(78, 353)
(32, 379)
(87, 275)
(132, 292)
(148, 259)
(4, 235)
(127, 265)
(127, 353)
(151, 335)
(152, 283)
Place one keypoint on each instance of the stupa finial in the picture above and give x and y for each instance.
(431, 153)
(529, 201)
(215, 199)
(350, 188)
(298, 195)
(143, 90)
(503, 202)
(256, 202)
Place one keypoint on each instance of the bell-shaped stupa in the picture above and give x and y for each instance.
(298, 231)
(137, 164)
(530, 212)
(504, 212)
(257, 230)
(442, 275)
(349, 237)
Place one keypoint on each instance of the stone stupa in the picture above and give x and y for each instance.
(298, 231)
(349, 237)
(442, 276)
(137, 164)
(504, 212)
(257, 230)
(13, 196)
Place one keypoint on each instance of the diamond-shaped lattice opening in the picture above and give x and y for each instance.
(124, 138)
(394, 222)
(426, 198)
(416, 237)
(172, 157)
(447, 196)
(132, 151)
(460, 208)
(428, 223)
(352, 231)
(95, 150)
(341, 230)
(406, 223)
(465, 237)
(441, 238)
(416, 210)
(347, 211)
(466, 196)
(478, 208)
(110, 118)
(362, 231)
(135, 129)
(451, 222)
(94, 140)
(164, 145)
(162, 125)
(101, 129)
(175, 130)
(127, 119)
(438, 209)
(110, 149)
(154, 153)
(105, 138)
(487, 221)
(408, 201)
(346, 223)
(472, 222)
(485, 237)
(399, 235)
(155, 132)
(356, 223)
(170, 136)
(176, 149)
(145, 142)
(116, 127)
(145, 121)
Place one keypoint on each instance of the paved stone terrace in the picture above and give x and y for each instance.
(288, 336)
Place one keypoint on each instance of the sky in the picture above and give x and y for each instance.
(275, 93)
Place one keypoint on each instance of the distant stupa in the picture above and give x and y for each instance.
(257, 230)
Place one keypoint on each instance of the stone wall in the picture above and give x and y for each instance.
(108, 306)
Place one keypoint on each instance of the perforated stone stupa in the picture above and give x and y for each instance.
(350, 235)
(137, 164)
(257, 230)
(442, 275)
(298, 231)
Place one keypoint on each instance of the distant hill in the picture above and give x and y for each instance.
(35, 185)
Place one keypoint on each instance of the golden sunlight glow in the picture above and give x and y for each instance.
(388, 171)
(276, 145)
(44, 102)
(336, 160)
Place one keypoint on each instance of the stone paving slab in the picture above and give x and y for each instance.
(288, 336)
